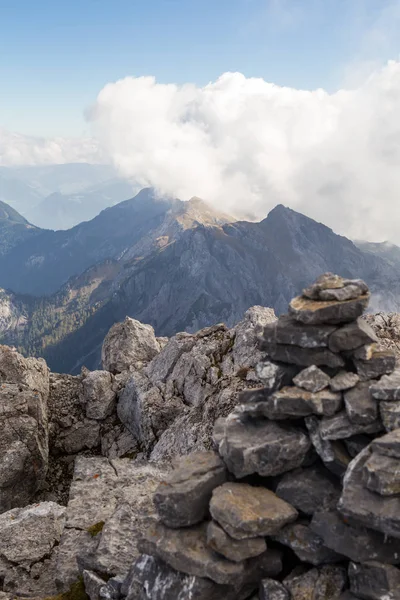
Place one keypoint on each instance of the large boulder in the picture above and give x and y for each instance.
(127, 345)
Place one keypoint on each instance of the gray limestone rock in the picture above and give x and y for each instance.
(381, 513)
(245, 351)
(381, 362)
(344, 380)
(93, 584)
(340, 427)
(76, 546)
(381, 474)
(99, 397)
(27, 535)
(316, 312)
(326, 281)
(309, 489)
(145, 412)
(273, 590)
(352, 336)
(303, 357)
(262, 447)
(388, 387)
(233, 549)
(361, 407)
(245, 511)
(356, 542)
(374, 581)
(306, 544)
(390, 415)
(183, 498)
(333, 453)
(388, 445)
(30, 372)
(128, 344)
(274, 375)
(23, 444)
(289, 331)
(186, 550)
(312, 379)
(325, 583)
(296, 402)
(83, 435)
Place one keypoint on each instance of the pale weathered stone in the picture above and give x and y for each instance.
(295, 402)
(352, 336)
(28, 534)
(390, 415)
(381, 474)
(128, 344)
(93, 584)
(316, 312)
(262, 447)
(309, 490)
(374, 581)
(183, 498)
(344, 380)
(312, 379)
(245, 511)
(361, 407)
(233, 549)
(388, 445)
(275, 375)
(99, 397)
(388, 387)
(273, 590)
(326, 281)
(357, 543)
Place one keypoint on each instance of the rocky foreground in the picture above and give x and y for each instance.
(287, 488)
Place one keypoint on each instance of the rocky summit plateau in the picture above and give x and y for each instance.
(259, 462)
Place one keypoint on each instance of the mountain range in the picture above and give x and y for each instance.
(176, 265)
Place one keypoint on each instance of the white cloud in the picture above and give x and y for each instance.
(246, 145)
(16, 149)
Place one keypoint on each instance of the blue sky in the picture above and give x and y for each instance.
(56, 56)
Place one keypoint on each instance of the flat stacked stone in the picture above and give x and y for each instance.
(304, 478)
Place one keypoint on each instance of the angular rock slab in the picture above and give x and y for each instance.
(245, 511)
(273, 590)
(366, 507)
(333, 454)
(306, 544)
(340, 427)
(331, 283)
(295, 402)
(150, 577)
(28, 534)
(390, 415)
(309, 490)
(316, 312)
(235, 550)
(317, 584)
(381, 362)
(312, 379)
(303, 357)
(388, 445)
(352, 336)
(388, 387)
(186, 550)
(289, 331)
(357, 543)
(182, 499)
(99, 397)
(274, 375)
(381, 474)
(344, 380)
(374, 581)
(361, 407)
(259, 446)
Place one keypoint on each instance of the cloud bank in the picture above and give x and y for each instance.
(17, 150)
(245, 145)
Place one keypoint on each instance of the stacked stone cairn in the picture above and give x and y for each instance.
(301, 499)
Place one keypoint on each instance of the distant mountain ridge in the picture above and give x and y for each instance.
(176, 265)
